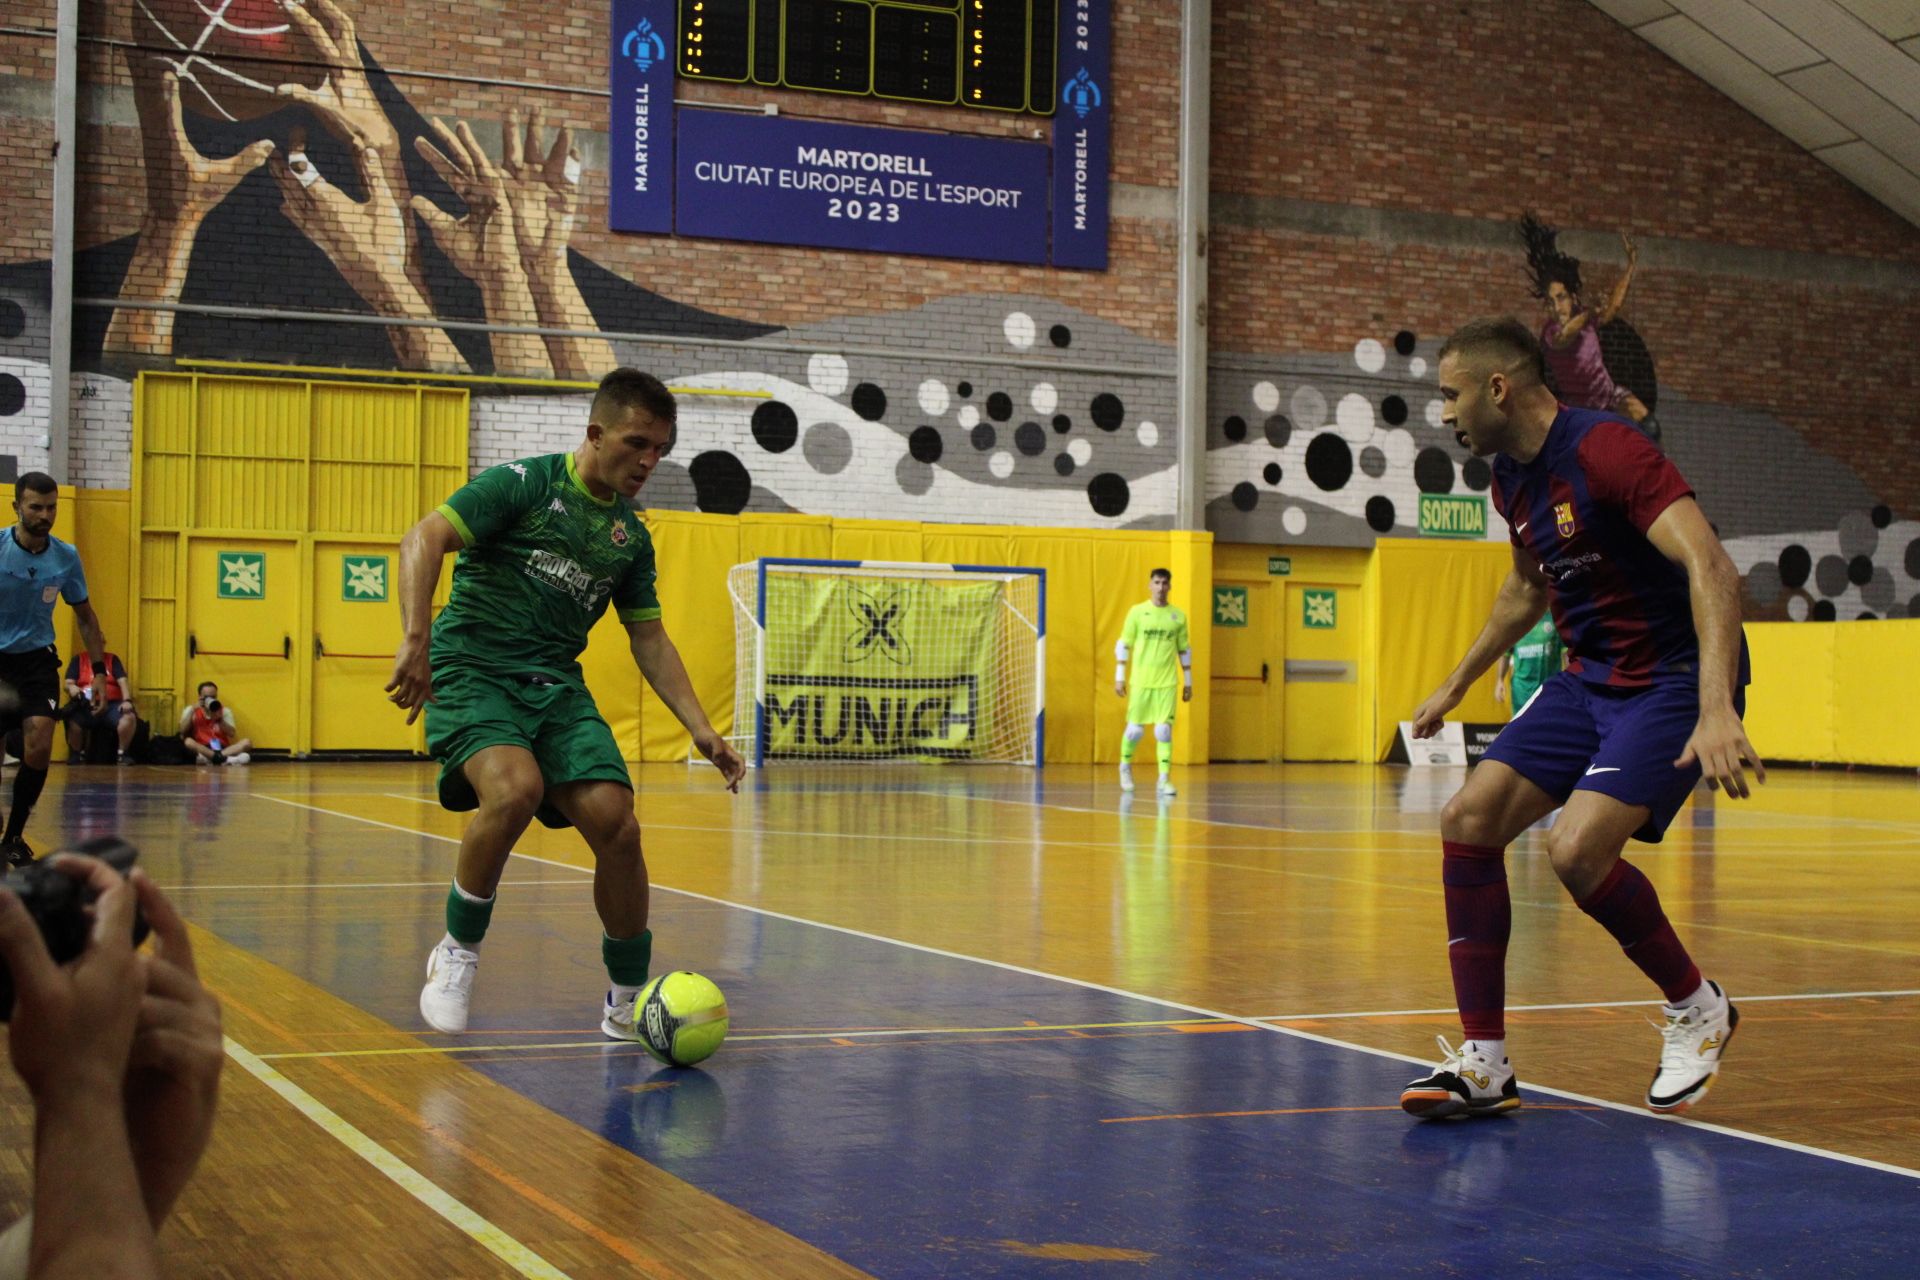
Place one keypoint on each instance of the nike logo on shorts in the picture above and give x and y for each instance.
(1611, 768)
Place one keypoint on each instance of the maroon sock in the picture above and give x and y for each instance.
(1627, 907)
(1479, 920)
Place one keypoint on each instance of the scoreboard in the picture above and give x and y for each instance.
(994, 55)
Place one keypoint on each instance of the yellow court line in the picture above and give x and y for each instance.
(604, 1043)
(553, 384)
(491, 1238)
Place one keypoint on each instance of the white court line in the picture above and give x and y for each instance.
(1225, 864)
(1584, 1004)
(1424, 834)
(1163, 1002)
(491, 1238)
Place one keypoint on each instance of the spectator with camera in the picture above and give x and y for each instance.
(121, 1052)
(36, 569)
(96, 703)
(207, 729)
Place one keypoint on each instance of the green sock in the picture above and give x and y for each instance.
(1127, 744)
(628, 959)
(467, 916)
(1164, 750)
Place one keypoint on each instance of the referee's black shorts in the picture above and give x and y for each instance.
(33, 677)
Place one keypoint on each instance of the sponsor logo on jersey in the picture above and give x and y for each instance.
(557, 505)
(517, 469)
(563, 574)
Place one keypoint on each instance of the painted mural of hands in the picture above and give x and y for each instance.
(366, 242)
(545, 194)
(484, 243)
(345, 103)
(183, 187)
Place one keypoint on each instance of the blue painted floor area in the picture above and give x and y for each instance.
(969, 1153)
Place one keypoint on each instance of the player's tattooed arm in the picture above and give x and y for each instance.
(1719, 742)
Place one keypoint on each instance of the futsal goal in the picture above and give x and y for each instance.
(852, 660)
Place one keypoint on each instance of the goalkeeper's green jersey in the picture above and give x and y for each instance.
(1154, 638)
(543, 557)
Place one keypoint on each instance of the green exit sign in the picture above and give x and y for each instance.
(1279, 566)
(1445, 515)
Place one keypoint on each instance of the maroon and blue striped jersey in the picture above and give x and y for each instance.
(1581, 509)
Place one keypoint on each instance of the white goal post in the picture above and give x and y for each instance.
(852, 660)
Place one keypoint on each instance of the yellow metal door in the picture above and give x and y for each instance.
(356, 623)
(1242, 723)
(244, 598)
(1321, 684)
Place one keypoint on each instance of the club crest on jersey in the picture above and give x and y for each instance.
(1563, 518)
(619, 533)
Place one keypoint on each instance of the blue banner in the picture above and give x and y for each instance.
(1082, 135)
(843, 186)
(640, 133)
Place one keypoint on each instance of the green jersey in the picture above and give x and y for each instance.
(1536, 659)
(543, 557)
(1155, 638)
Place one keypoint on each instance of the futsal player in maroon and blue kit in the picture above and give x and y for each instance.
(1607, 532)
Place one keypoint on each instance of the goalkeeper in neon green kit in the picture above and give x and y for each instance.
(1155, 637)
(546, 545)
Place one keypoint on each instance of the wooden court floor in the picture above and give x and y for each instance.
(1009, 1022)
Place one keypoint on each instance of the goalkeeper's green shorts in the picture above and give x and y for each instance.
(1152, 706)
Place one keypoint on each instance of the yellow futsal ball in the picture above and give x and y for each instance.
(681, 1017)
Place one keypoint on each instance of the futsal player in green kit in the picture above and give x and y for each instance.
(546, 544)
(1155, 636)
(1535, 660)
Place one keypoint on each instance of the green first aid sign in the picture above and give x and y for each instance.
(1317, 610)
(1229, 606)
(243, 575)
(363, 578)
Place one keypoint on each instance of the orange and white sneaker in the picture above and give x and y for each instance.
(1468, 1082)
(1693, 1040)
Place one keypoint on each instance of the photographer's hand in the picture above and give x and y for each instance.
(173, 1076)
(70, 1040)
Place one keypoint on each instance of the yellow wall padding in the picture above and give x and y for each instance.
(1430, 600)
(1835, 692)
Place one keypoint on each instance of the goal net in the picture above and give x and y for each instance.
(842, 660)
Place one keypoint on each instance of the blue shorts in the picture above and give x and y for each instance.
(1574, 736)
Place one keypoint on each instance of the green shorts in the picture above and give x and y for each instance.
(558, 723)
(1152, 706)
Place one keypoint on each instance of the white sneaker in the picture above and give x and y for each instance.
(449, 989)
(616, 1020)
(1166, 786)
(1694, 1038)
(1467, 1083)
(201, 760)
(242, 758)
(1126, 778)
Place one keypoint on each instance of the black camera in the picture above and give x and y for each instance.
(58, 904)
(212, 706)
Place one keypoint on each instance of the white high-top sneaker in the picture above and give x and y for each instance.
(1692, 1042)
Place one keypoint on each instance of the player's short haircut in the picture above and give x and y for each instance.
(1160, 573)
(1497, 344)
(625, 390)
(35, 482)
